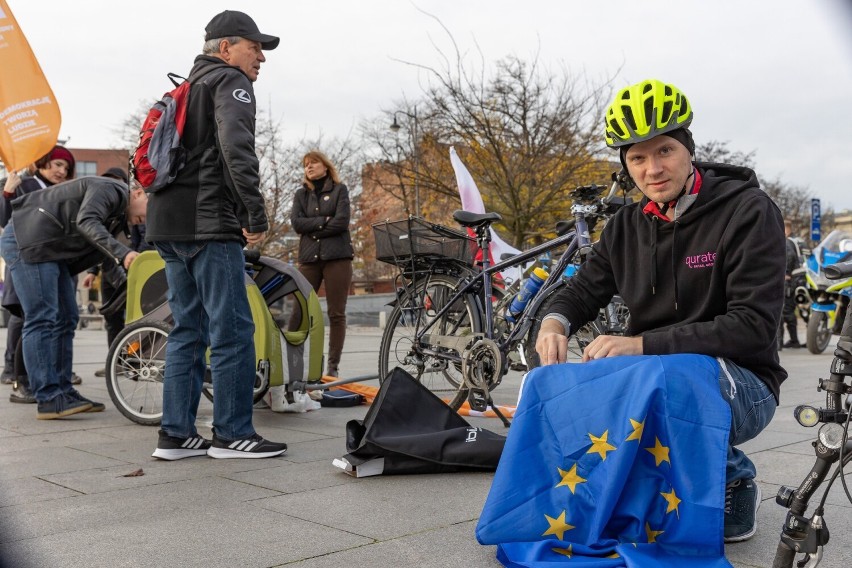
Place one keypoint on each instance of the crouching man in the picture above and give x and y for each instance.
(53, 235)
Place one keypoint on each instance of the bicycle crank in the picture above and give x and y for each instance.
(482, 364)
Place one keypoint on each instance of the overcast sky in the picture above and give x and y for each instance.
(773, 76)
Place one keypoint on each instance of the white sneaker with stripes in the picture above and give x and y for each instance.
(172, 448)
(252, 447)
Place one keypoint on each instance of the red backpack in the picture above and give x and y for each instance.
(159, 156)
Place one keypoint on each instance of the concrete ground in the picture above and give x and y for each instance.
(66, 500)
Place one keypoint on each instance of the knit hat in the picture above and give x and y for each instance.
(62, 153)
(116, 173)
(682, 135)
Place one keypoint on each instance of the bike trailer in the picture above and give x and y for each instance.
(269, 283)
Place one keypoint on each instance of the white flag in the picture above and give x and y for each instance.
(472, 201)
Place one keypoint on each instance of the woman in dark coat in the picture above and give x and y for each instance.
(321, 216)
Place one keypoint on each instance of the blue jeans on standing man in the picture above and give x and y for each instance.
(48, 297)
(752, 408)
(207, 297)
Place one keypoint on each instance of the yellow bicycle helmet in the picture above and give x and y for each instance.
(644, 110)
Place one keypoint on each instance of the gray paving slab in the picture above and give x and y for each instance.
(64, 500)
(381, 507)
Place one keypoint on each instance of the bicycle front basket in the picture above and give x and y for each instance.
(400, 242)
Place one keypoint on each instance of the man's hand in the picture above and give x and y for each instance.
(89, 280)
(128, 260)
(551, 344)
(253, 238)
(612, 346)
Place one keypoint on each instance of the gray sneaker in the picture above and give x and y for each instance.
(742, 500)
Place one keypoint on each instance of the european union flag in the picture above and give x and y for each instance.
(615, 462)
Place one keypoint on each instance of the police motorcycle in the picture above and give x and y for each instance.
(829, 298)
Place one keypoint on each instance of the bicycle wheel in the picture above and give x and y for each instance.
(576, 343)
(439, 370)
(261, 385)
(135, 368)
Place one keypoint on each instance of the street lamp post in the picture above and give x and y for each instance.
(395, 127)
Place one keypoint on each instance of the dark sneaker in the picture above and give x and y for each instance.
(252, 447)
(60, 407)
(21, 393)
(76, 379)
(171, 448)
(792, 345)
(742, 500)
(96, 406)
(7, 378)
(100, 373)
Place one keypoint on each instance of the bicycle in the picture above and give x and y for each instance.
(444, 328)
(808, 536)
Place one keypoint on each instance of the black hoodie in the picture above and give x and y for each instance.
(710, 282)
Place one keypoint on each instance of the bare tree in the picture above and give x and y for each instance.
(526, 136)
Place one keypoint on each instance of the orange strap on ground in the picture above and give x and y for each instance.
(369, 394)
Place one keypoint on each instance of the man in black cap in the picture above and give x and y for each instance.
(199, 224)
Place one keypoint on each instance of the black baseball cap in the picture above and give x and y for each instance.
(232, 23)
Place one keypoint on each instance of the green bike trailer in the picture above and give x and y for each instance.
(284, 307)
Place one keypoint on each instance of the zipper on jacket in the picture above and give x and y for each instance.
(52, 217)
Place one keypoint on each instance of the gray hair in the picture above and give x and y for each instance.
(211, 46)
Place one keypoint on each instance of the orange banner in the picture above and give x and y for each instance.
(29, 114)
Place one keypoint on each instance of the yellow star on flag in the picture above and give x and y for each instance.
(660, 452)
(672, 500)
(638, 428)
(558, 526)
(614, 555)
(570, 478)
(600, 445)
(564, 551)
(652, 535)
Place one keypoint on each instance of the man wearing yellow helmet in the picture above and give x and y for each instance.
(699, 263)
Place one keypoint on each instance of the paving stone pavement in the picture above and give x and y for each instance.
(65, 500)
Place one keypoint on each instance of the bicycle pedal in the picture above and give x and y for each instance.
(478, 400)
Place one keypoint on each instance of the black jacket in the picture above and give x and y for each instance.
(321, 217)
(74, 221)
(217, 194)
(710, 282)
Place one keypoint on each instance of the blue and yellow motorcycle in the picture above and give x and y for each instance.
(829, 298)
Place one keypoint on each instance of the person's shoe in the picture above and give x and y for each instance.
(61, 406)
(172, 448)
(96, 406)
(742, 500)
(75, 379)
(251, 447)
(7, 378)
(793, 345)
(100, 373)
(332, 373)
(21, 394)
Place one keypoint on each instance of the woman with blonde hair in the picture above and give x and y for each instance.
(320, 216)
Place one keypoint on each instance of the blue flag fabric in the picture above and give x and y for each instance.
(615, 462)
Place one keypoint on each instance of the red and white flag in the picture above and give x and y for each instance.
(472, 201)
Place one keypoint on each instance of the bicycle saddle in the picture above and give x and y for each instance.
(474, 220)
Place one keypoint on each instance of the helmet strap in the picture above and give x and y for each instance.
(664, 207)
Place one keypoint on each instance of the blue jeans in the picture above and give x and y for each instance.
(48, 297)
(752, 407)
(207, 296)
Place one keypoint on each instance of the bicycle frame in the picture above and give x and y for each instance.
(480, 285)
